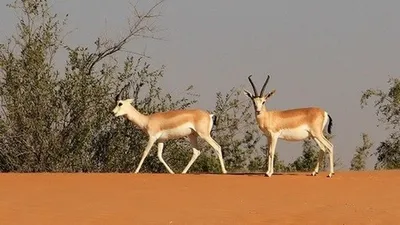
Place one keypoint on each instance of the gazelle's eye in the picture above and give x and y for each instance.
(120, 104)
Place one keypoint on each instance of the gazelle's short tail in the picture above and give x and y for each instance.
(213, 122)
(214, 119)
(330, 124)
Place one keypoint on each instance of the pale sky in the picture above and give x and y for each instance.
(318, 53)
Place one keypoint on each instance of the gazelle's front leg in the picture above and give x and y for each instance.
(146, 152)
(273, 139)
(269, 155)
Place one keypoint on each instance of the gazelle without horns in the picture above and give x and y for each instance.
(291, 125)
(163, 126)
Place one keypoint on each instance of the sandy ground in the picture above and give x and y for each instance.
(348, 198)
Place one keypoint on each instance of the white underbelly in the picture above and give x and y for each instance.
(295, 134)
(175, 133)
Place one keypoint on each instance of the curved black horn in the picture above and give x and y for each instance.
(252, 84)
(265, 84)
(118, 97)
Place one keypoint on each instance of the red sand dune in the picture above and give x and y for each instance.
(371, 197)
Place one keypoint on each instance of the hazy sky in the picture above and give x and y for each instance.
(319, 53)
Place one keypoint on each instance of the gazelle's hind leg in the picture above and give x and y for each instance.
(320, 156)
(217, 149)
(329, 147)
(196, 152)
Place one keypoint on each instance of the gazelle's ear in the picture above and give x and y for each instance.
(270, 94)
(246, 92)
(129, 100)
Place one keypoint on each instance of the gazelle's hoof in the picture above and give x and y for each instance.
(330, 175)
(224, 172)
(268, 174)
(314, 173)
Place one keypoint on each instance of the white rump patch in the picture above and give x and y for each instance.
(211, 121)
(326, 117)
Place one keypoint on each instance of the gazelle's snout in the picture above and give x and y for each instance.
(258, 104)
(115, 110)
(118, 108)
(122, 107)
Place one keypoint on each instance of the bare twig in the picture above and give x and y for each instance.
(139, 28)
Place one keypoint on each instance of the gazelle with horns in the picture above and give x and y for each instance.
(163, 126)
(291, 125)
